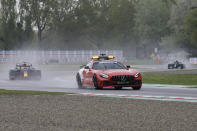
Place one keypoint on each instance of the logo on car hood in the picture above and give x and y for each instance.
(123, 78)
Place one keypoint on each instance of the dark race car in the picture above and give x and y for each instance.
(24, 71)
(176, 65)
(103, 71)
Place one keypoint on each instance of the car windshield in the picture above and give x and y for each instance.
(104, 66)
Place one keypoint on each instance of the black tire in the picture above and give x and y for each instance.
(170, 67)
(137, 88)
(118, 88)
(38, 78)
(39, 75)
(182, 66)
(11, 78)
(78, 78)
(11, 74)
(95, 81)
(36, 75)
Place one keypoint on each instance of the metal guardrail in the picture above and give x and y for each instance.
(55, 57)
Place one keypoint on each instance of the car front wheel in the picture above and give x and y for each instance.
(136, 88)
(118, 88)
(95, 81)
(11, 78)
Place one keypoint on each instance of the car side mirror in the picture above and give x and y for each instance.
(128, 66)
(87, 67)
(82, 66)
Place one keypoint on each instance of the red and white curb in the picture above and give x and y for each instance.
(143, 97)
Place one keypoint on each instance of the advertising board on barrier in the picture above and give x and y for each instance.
(193, 60)
(55, 57)
(3, 58)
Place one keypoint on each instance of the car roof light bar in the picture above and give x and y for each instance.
(103, 57)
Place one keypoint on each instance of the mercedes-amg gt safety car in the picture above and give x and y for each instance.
(103, 71)
(176, 65)
(24, 71)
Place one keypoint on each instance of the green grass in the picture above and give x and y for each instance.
(14, 92)
(168, 78)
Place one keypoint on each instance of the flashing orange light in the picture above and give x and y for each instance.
(111, 57)
(95, 57)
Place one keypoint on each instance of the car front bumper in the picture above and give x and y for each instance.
(135, 83)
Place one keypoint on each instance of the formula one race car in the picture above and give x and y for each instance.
(24, 71)
(104, 71)
(176, 65)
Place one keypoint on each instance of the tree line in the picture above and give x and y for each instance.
(97, 24)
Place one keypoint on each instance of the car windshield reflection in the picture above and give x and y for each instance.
(105, 66)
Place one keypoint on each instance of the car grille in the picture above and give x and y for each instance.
(122, 78)
(107, 83)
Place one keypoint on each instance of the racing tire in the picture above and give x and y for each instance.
(182, 66)
(37, 78)
(118, 88)
(11, 73)
(11, 78)
(95, 81)
(78, 78)
(137, 88)
(36, 75)
(170, 67)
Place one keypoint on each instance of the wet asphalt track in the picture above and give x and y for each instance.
(58, 81)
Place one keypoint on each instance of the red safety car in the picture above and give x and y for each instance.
(104, 71)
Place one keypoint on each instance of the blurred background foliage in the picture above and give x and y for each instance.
(98, 24)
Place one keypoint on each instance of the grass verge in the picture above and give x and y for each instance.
(14, 92)
(173, 79)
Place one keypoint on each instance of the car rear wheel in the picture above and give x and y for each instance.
(34, 75)
(95, 81)
(37, 78)
(11, 78)
(78, 78)
(170, 67)
(11, 75)
(182, 66)
(118, 88)
(136, 88)
(39, 75)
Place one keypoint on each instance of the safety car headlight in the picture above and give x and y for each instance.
(137, 75)
(104, 75)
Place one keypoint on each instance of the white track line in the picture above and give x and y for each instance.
(144, 97)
